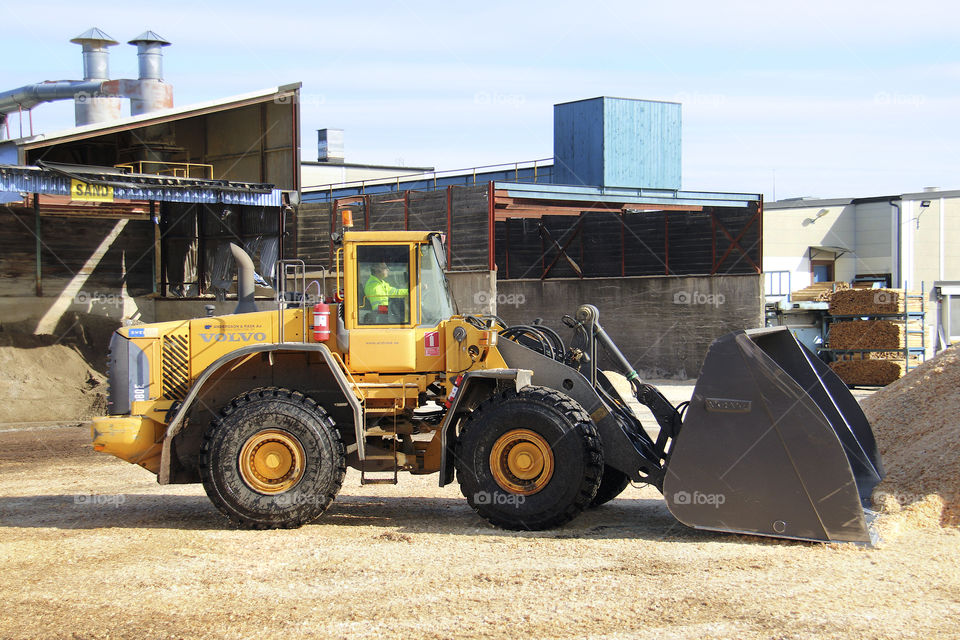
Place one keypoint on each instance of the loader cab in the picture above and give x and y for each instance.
(395, 297)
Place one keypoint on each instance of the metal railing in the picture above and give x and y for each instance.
(296, 272)
(174, 169)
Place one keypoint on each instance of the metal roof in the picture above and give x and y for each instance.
(626, 195)
(806, 203)
(528, 170)
(56, 180)
(154, 117)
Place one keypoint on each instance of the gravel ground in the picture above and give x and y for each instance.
(92, 547)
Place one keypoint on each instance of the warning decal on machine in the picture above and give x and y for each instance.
(431, 343)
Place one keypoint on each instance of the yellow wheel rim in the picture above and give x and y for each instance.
(521, 462)
(271, 461)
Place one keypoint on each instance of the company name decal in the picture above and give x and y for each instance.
(258, 336)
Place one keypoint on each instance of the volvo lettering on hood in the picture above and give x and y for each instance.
(259, 336)
(239, 333)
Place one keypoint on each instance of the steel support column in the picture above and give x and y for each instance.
(36, 221)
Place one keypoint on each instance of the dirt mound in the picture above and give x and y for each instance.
(43, 379)
(918, 434)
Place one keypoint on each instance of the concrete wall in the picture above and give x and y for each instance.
(662, 324)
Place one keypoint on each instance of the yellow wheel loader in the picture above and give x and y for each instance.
(268, 408)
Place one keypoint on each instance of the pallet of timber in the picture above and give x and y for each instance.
(867, 302)
(870, 373)
(818, 292)
(874, 334)
(874, 369)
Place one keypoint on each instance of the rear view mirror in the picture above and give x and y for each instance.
(439, 250)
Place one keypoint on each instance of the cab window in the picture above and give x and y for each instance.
(435, 302)
(383, 282)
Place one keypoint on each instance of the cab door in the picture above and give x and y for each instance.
(382, 310)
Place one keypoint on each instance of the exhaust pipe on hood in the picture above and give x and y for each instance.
(245, 283)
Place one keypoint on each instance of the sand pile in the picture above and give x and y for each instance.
(916, 421)
(45, 380)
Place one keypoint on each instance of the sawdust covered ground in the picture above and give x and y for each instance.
(916, 424)
(92, 547)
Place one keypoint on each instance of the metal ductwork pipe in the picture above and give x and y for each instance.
(150, 55)
(151, 92)
(245, 284)
(31, 95)
(90, 108)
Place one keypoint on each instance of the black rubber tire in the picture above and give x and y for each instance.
(574, 441)
(301, 417)
(612, 484)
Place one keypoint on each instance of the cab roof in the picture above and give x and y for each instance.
(387, 236)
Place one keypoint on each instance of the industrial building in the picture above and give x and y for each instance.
(898, 241)
(165, 190)
(162, 193)
(604, 222)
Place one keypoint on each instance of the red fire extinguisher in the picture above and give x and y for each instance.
(321, 322)
(453, 392)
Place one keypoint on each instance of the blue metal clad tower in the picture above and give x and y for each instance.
(617, 142)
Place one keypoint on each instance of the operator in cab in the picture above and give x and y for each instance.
(379, 291)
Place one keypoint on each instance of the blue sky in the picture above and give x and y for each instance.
(810, 98)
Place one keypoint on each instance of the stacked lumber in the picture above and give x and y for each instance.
(873, 334)
(818, 292)
(873, 368)
(868, 302)
(868, 372)
(876, 369)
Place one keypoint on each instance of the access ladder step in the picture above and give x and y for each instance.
(366, 480)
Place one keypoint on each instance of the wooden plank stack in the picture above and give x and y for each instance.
(818, 292)
(869, 302)
(868, 372)
(873, 334)
(872, 368)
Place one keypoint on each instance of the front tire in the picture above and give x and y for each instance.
(272, 459)
(529, 460)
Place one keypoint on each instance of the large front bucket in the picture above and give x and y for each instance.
(773, 444)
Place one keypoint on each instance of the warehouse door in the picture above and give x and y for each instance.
(822, 270)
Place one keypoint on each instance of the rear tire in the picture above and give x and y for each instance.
(529, 460)
(612, 484)
(272, 459)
